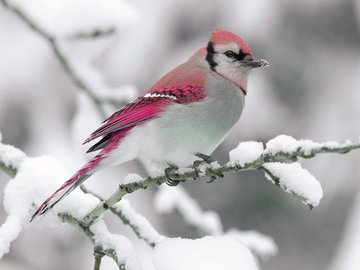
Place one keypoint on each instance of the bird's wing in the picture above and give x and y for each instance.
(178, 86)
(146, 107)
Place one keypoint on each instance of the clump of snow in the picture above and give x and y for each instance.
(287, 144)
(184, 170)
(245, 152)
(36, 179)
(169, 199)
(260, 244)
(122, 246)
(10, 156)
(294, 179)
(143, 226)
(210, 253)
(202, 168)
(132, 178)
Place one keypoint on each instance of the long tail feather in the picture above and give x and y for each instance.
(76, 180)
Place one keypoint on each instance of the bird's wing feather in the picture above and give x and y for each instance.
(168, 90)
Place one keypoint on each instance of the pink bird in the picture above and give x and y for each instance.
(183, 116)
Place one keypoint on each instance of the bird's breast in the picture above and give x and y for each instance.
(200, 126)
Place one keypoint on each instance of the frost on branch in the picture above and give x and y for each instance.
(209, 252)
(275, 160)
(294, 179)
(123, 249)
(245, 152)
(140, 224)
(10, 158)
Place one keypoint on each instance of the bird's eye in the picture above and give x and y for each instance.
(230, 54)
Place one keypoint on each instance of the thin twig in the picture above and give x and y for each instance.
(65, 217)
(127, 220)
(60, 55)
(10, 171)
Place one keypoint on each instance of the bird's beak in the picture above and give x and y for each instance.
(255, 63)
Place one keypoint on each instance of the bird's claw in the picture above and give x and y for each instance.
(168, 173)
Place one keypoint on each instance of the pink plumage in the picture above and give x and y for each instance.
(221, 36)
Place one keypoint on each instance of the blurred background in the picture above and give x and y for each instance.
(311, 90)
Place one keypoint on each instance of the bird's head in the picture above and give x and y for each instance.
(231, 57)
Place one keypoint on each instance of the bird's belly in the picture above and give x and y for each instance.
(187, 129)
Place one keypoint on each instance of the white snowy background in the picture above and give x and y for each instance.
(311, 90)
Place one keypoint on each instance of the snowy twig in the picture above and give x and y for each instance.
(98, 249)
(231, 167)
(60, 55)
(93, 34)
(10, 158)
(98, 257)
(140, 226)
(9, 170)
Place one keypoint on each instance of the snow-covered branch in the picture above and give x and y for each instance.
(84, 210)
(140, 225)
(247, 156)
(10, 158)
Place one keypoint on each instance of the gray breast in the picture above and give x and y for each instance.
(202, 126)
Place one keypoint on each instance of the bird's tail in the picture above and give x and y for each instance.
(76, 180)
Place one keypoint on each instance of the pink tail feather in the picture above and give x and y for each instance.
(80, 176)
(76, 180)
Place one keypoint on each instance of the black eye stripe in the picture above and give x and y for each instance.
(240, 56)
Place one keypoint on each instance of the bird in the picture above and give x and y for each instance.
(183, 116)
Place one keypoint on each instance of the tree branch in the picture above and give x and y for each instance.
(214, 172)
(98, 250)
(140, 226)
(9, 170)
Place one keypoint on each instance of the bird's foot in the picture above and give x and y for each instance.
(169, 173)
(208, 160)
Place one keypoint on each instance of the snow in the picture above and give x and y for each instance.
(209, 252)
(294, 179)
(10, 156)
(245, 152)
(132, 178)
(202, 168)
(169, 199)
(289, 145)
(260, 244)
(143, 226)
(124, 250)
(61, 17)
(36, 179)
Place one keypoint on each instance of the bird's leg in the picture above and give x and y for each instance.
(169, 172)
(207, 159)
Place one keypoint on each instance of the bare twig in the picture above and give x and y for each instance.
(60, 55)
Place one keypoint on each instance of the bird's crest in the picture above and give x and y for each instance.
(221, 36)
